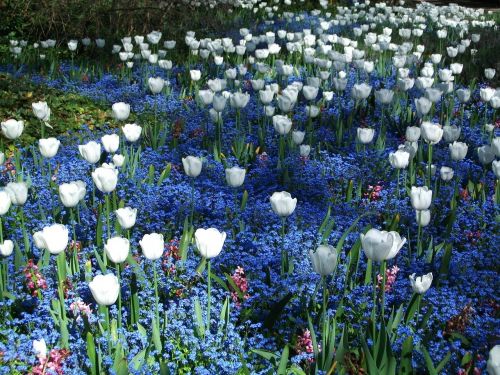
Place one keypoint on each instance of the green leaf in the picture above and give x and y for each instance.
(100, 262)
(138, 360)
(156, 337)
(235, 287)
(200, 324)
(406, 357)
(244, 200)
(164, 174)
(91, 353)
(445, 261)
(265, 354)
(283, 361)
(412, 307)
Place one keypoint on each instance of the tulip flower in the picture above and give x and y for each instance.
(111, 142)
(156, 84)
(412, 133)
(378, 245)
(152, 246)
(298, 137)
(282, 124)
(235, 176)
(458, 150)
(451, 133)
(117, 249)
(12, 129)
(421, 284)
(72, 193)
(48, 147)
(105, 289)
(132, 132)
(118, 160)
(365, 135)
(446, 173)
(41, 111)
(399, 159)
(423, 217)
(126, 217)
(192, 166)
(53, 238)
(121, 111)
(421, 197)
(282, 204)
(105, 179)
(431, 133)
(489, 73)
(6, 248)
(91, 152)
(324, 259)
(304, 150)
(5, 202)
(493, 364)
(486, 154)
(18, 192)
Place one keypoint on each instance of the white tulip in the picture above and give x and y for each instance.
(105, 289)
(152, 245)
(121, 111)
(117, 249)
(420, 284)
(111, 142)
(18, 192)
(421, 197)
(105, 179)
(53, 238)
(91, 152)
(5, 202)
(192, 166)
(126, 217)
(283, 204)
(235, 176)
(209, 242)
(132, 132)
(12, 129)
(6, 248)
(324, 259)
(41, 111)
(48, 147)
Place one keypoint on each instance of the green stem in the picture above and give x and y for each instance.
(108, 214)
(429, 164)
(119, 297)
(209, 293)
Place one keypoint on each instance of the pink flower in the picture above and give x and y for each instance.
(390, 278)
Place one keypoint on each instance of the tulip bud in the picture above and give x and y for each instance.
(324, 259)
(283, 204)
(381, 245)
(192, 166)
(40, 348)
(105, 289)
(48, 147)
(126, 217)
(195, 75)
(117, 249)
(495, 166)
(451, 133)
(282, 124)
(298, 137)
(118, 160)
(412, 133)
(152, 246)
(209, 242)
(420, 284)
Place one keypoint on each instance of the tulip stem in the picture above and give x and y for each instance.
(119, 297)
(284, 255)
(61, 278)
(429, 164)
(397, 185)
(192, 200)
(108, 213)
(382, 291)
(419, 233)
(209, 293)
(74, 258)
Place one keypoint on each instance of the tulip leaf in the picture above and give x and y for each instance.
(200, 325)
(156, 337)
(100, 262)
(138, 360)
(283, 360)
(265, 354)
(244, 200)
(225, 316)
(164, 174)
(94, 367)
(219, 281)
(406, 357)
(412, 307)
(313, 336)
(445, 261)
